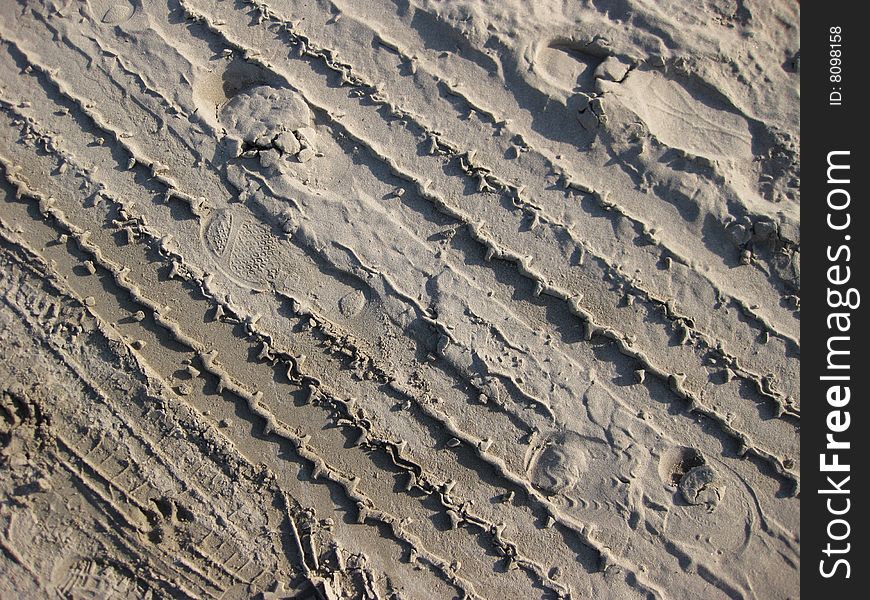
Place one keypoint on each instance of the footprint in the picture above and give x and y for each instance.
(112, 12)
(559, 463)
(685, 115)
(352, 304)
(86, 578)
(566, 68)
(224, 80)
(248, 252)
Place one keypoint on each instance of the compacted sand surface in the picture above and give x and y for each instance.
(399, 299)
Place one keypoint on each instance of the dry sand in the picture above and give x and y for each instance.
(412, 299)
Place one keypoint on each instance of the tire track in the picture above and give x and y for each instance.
(466, 75)
(430, 487)
(763, 385)
(85, 243)
(342, 277)
(500, 129)
(693, 399)
(466, 515)
(92, 462)
(322, 469)
(474, 442)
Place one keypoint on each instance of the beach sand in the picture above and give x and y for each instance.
(399, 299)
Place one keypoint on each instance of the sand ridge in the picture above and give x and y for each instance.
(412, 300)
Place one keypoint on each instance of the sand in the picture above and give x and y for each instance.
(392, 300)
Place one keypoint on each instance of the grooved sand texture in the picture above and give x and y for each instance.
(399, 299)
